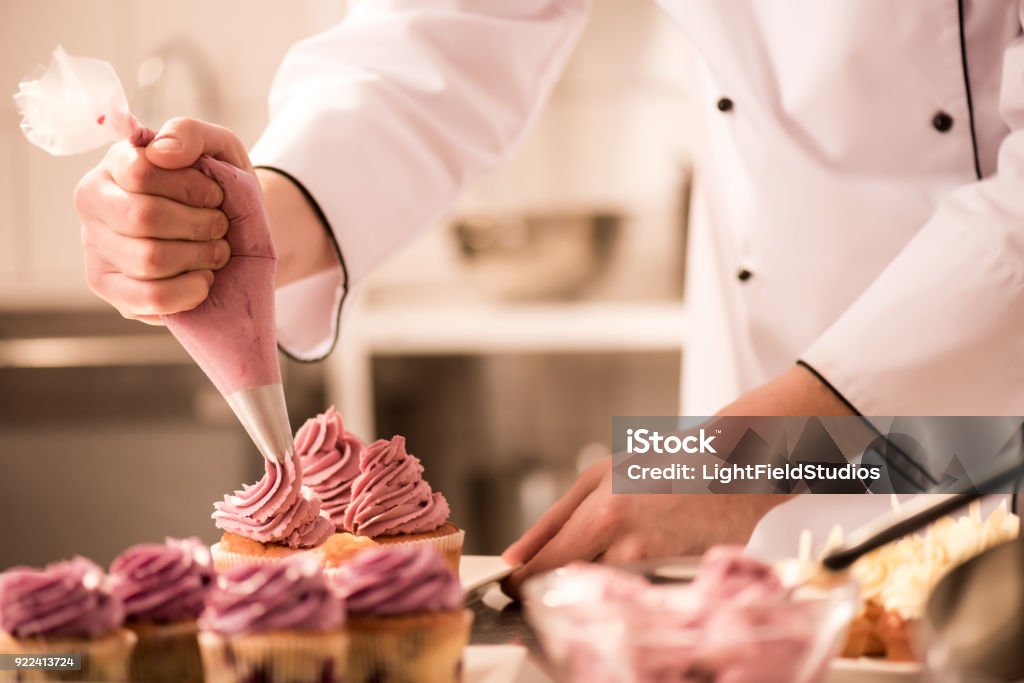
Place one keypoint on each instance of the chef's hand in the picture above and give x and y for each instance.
(590, 522)
(151, 227)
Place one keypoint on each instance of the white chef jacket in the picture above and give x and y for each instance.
(860, 202)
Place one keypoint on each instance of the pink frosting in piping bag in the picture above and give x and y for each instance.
(78, 104)
(231, 334)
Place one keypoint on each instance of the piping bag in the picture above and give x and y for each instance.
(77, 104)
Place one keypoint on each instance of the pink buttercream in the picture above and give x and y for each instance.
(387, 581)
(285, 596)
(390, 496)
(329, 456)
(231, 334)
(736, 622)
(276, 509)
(64, 599)
(163, 583)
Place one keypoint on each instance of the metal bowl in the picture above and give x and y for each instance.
(543, 256)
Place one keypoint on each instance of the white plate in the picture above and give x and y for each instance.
(866, 670)
(479, 570)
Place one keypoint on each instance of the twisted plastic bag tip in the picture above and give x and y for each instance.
(74, 105)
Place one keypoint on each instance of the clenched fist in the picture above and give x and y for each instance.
(152, 229)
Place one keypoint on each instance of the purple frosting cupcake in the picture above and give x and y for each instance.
(406, 620)
(287, 596)
(162, 584)
(329, 455)
(273, 622)
(387, 582)
(65, 607)
(71, 598)
(163, 588)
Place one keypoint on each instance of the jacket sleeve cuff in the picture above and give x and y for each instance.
(828, 385)
(937, 333)
(309, 311)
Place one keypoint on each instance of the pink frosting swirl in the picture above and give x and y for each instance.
(276, 509)
(390, 496)
(329, 458)
(289, 595)
(161, 583)
(390, 581)
(65, 599)
(726, 572)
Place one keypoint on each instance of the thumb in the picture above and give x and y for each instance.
(181, 141)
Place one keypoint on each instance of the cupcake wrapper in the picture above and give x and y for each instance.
(414, 649)
(166, 653)
(105, 658)
(223, 560)
(449, 545)
(276, 657)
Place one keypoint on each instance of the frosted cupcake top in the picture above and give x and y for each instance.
(329, 457)
(397, 581)
(284, 596)
(276, 509)
(163, 583)
(390, 496)
(65, 599)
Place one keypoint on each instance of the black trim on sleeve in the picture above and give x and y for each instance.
(893, 463)
(828, 385)
(1015, 498)
(337, 250)
(967, 88)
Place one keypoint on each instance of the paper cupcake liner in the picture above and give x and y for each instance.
(421, 648)
(275, 657)
(105, 658)
(223, 560)
(449, 545)
(166, 653)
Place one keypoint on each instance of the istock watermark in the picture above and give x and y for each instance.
(647, 441)
(670, 454)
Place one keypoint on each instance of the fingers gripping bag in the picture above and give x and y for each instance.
(77, 104)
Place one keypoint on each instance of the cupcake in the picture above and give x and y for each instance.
(66, 607)
(270, 520)
(394, 506)
(406, 620)
(273, 623)
(162, 588)
(329, 458)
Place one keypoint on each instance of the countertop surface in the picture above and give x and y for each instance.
(498, 620)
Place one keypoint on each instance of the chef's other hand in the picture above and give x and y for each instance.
(590, 523)
(151, 227)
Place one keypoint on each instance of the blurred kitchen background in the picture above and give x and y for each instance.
(501, 343)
